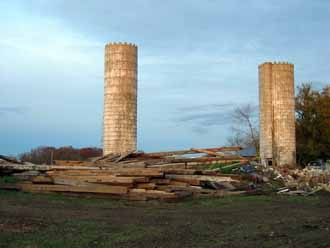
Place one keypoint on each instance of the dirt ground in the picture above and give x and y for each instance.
(32, 220)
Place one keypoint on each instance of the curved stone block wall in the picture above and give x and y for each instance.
(120, 98)
(277, 116)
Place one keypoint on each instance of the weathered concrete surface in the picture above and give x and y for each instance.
(120, 98)
(277, 121)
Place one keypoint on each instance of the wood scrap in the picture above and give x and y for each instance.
(42, 179)
(109, 179)
(138, 172)
(10, 160)
(200, 150)
(160, 181)
(72, 163)
(26, 175)
(123, 156)
(69, 188)
(146, 186)
(190, 151)
(200, 178)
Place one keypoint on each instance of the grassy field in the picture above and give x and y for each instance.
(33, 220)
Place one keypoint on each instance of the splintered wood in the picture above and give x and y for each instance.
(136, 175)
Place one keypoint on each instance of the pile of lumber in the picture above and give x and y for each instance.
(134, 183)
(133, 176)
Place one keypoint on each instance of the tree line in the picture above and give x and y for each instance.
(47, 154)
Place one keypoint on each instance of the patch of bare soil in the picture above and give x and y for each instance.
(254, 221)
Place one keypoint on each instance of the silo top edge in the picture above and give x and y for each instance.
(276, 63)
(121, 44)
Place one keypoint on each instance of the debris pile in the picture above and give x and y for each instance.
(298, 181)
(134, 175)
(163, 175)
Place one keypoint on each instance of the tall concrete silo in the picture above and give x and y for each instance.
(277, 117)
(120, 98)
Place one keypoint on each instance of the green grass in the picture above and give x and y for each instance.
(73, 233)
(219, 166)
(61, 199)
(234, 200)
(93, 231)
(9, 179)
(110, 202)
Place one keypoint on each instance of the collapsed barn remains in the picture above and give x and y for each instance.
(135, 175)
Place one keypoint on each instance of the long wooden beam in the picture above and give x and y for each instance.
(193, 151)
(104, 189)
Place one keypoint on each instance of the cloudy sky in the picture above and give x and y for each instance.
(197, 60)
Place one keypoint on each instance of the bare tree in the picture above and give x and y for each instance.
(236, 139)
(245, 126)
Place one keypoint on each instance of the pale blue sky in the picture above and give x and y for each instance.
(197, 59)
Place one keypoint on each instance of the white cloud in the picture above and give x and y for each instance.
(190, 53)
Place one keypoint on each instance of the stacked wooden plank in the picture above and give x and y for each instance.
(134, 183)
(135, 175)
